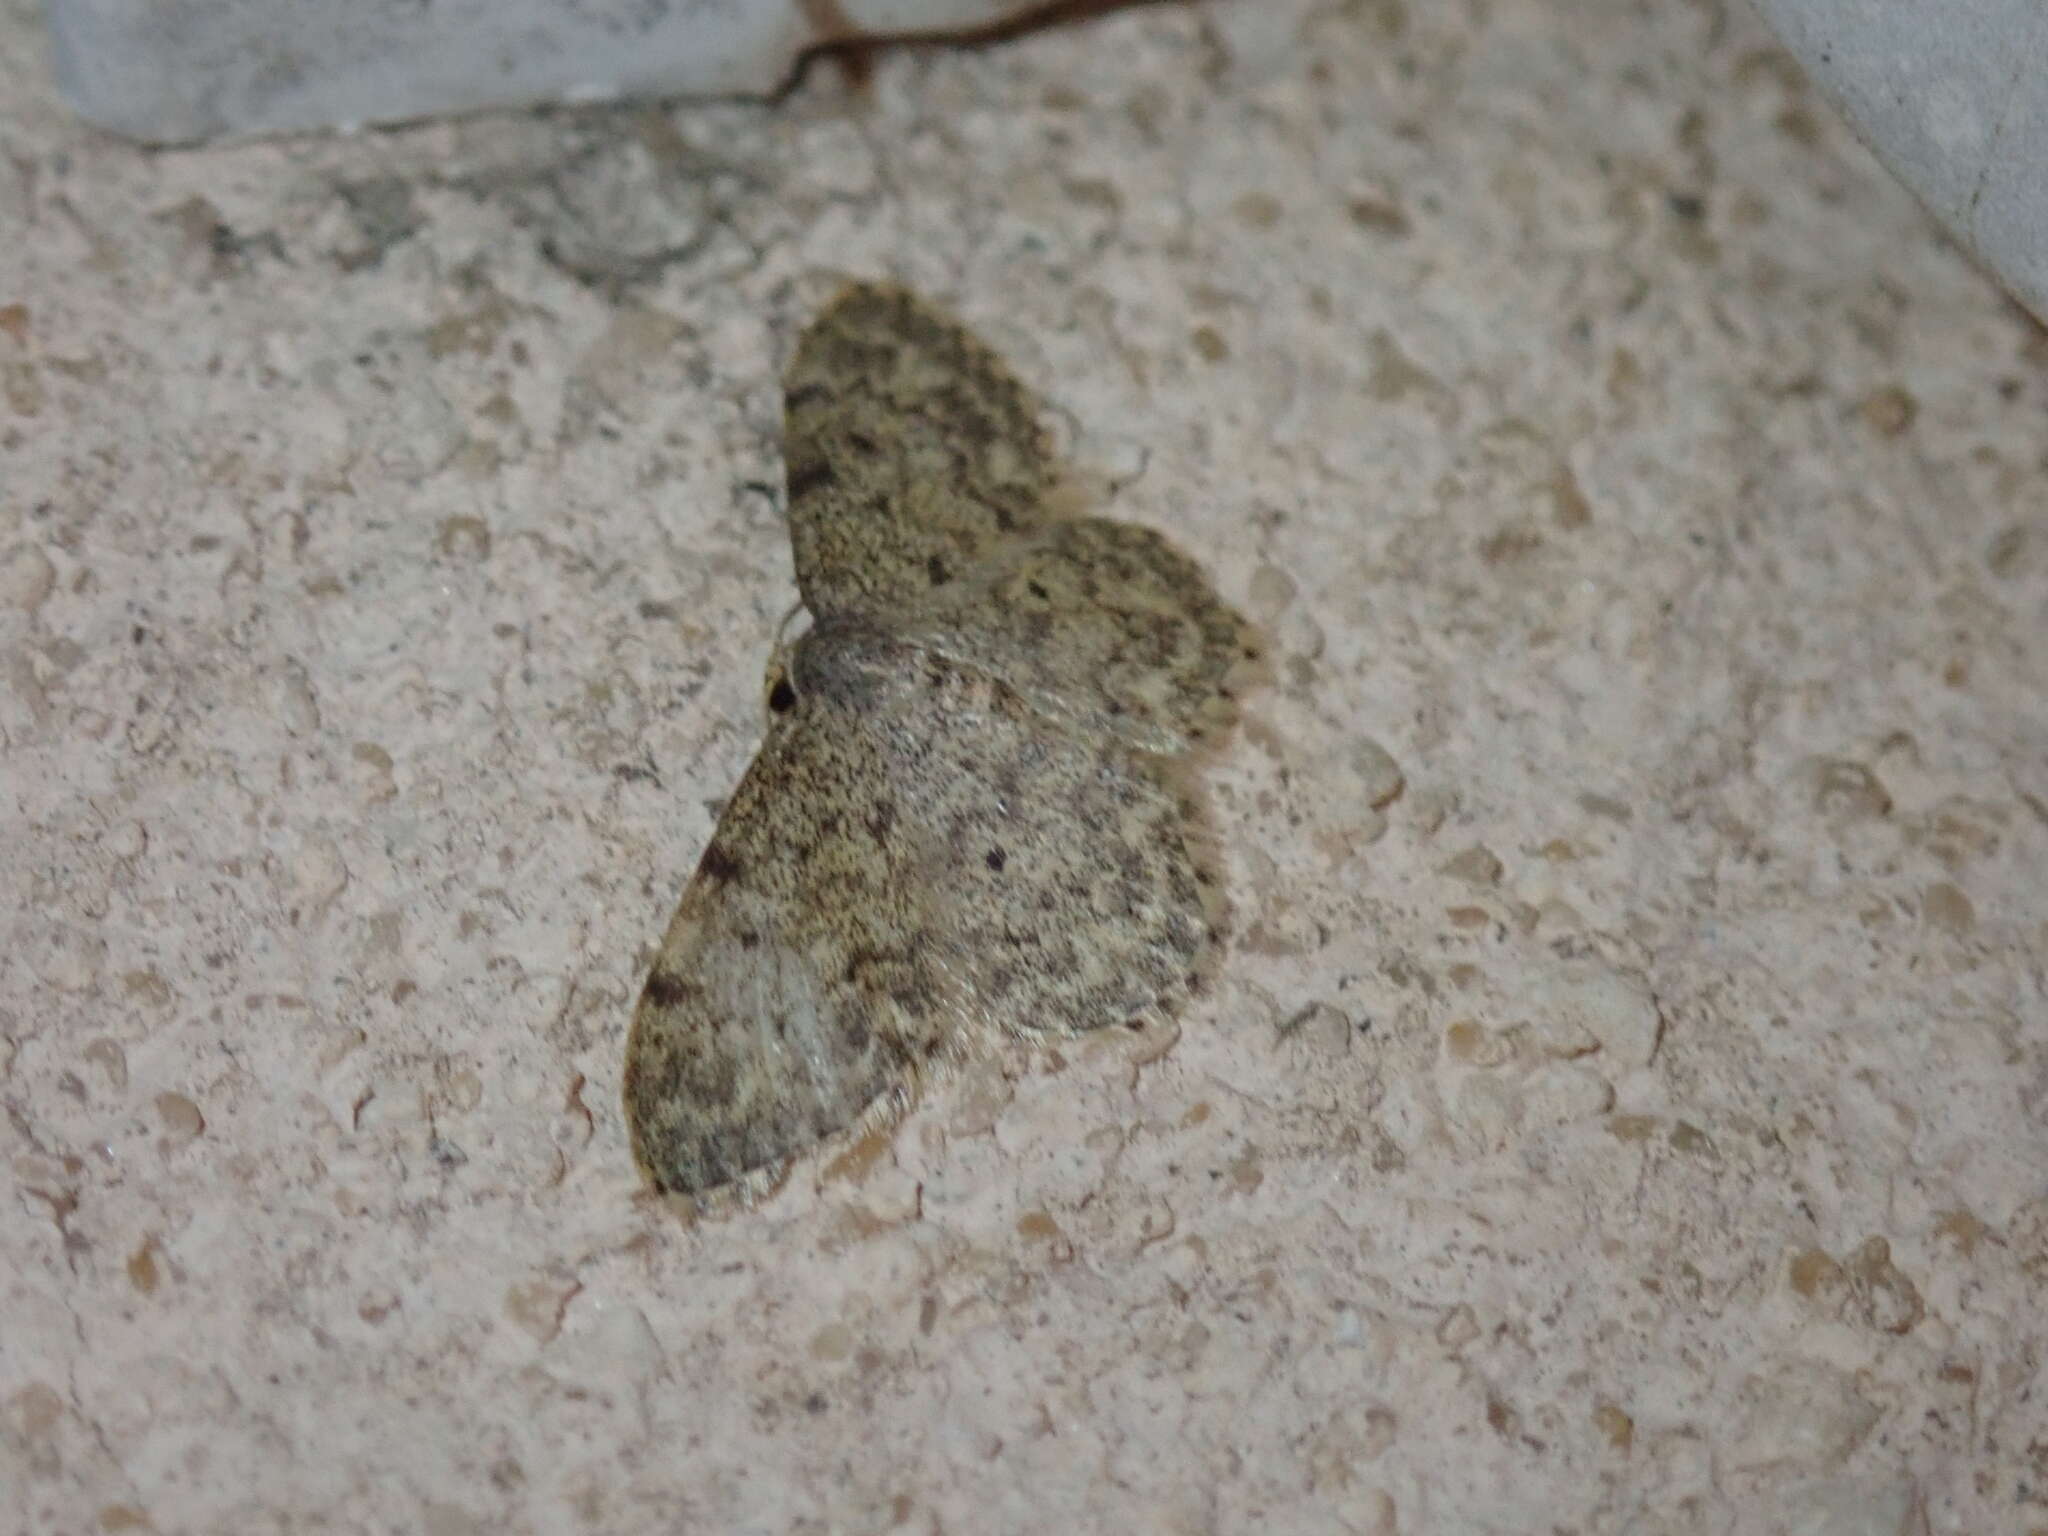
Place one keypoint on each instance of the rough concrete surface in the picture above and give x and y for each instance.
(1954, 100)
(1624, 1103)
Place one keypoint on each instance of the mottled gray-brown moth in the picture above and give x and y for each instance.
(964, 818)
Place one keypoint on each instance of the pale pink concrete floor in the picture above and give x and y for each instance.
(1634, 1123)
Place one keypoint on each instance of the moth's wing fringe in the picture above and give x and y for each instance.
(757, 1186)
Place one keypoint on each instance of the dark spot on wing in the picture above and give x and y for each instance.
(719, 866)
(665, 989)
(806, 478)
(935, 568)
(996, 859)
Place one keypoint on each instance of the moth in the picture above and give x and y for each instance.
(966, 816)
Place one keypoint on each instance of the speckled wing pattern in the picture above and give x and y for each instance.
(792, 992)
(911, 454)
(963, 820)
(1102, 626)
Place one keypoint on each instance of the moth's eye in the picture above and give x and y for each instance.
(782, 697)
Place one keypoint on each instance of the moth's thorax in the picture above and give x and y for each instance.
(853, 662)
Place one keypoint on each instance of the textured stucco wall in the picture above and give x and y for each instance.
(1622, 1105)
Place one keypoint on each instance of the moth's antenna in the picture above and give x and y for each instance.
(782, 642)
(776, 695)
